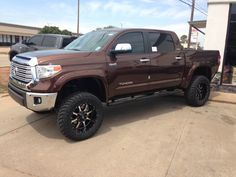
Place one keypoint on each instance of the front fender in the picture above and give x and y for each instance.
(65, 78)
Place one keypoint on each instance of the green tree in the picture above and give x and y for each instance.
(54, 30)
(66, 32)
(184, 38)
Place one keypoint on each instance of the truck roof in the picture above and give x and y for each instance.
(135, 29)
(55, 35)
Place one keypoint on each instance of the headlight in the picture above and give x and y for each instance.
(46, 71)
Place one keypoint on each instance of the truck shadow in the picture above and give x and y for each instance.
(116, 115)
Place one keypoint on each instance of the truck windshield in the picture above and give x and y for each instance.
(92, 41)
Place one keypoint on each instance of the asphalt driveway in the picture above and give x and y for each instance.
(158, 136)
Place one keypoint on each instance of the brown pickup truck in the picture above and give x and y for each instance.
(104, 66)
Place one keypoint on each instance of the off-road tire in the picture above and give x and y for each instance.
(67, 123)
(198, 91)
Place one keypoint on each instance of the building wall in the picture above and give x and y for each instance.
(221, 1)
(11, 33)
(216, 29)
(217, 24)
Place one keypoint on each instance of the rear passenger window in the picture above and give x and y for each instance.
(135, 39)
(161, 42)
(36, 40)
(49, 41)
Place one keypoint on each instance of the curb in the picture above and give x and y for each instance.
(4, 95)
(223, 97)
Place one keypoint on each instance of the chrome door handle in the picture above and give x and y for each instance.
(178, 58)
(144, 60)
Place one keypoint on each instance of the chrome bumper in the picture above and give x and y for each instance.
(33, 101)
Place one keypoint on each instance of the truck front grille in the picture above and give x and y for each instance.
(21, 72)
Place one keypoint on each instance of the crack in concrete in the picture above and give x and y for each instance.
(19, 171)
(3, 134)
(177, 145)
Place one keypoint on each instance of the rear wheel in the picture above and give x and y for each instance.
(80, 116)
(198, 92)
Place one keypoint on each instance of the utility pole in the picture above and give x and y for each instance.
(191, 20)
(78, 20)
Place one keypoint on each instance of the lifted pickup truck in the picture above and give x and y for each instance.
(103, 66)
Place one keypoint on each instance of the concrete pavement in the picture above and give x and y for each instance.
(4, 60)
(158, 136)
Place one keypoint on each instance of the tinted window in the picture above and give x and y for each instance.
(135, 39)
(49, 41)
(36, 40)
(66, 41)
(93, 41)
(161, 42)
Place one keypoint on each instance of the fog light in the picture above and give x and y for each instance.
(37, 100)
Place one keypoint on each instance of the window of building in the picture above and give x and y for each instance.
(135, 39)
(13, 39)
(161, 42)
(49, 41)
(8, 39)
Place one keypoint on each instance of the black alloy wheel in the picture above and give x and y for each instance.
(80, 116)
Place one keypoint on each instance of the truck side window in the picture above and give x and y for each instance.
(161, 42)
(36, 40)
(49, 41)
(135, 39)
(67, 41)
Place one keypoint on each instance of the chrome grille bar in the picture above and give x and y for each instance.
(21, 72)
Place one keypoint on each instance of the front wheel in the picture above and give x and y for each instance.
(80, 116)
(198, 92)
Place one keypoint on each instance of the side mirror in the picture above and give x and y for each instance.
(121, 48)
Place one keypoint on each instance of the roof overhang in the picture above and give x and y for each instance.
(198, 24)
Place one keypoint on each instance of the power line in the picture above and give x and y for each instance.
(190, 5)
(198, 5)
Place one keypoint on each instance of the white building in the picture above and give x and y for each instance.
(221, 35)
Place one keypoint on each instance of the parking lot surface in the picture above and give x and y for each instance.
(4, 60)
(157, 136)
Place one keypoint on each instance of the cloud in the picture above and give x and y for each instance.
(124, 7)
(94, 5)
(149, 12)
(148, 1)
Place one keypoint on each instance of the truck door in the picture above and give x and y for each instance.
(167, 63)
(128, 72)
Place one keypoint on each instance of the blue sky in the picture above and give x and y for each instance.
(159, 14)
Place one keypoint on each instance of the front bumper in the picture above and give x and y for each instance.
(33, 101)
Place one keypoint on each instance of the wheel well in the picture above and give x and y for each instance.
(204, 71)
(92, 85)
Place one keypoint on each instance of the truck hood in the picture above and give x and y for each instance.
(52, 56)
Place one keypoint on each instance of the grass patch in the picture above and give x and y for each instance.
(3, 88)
